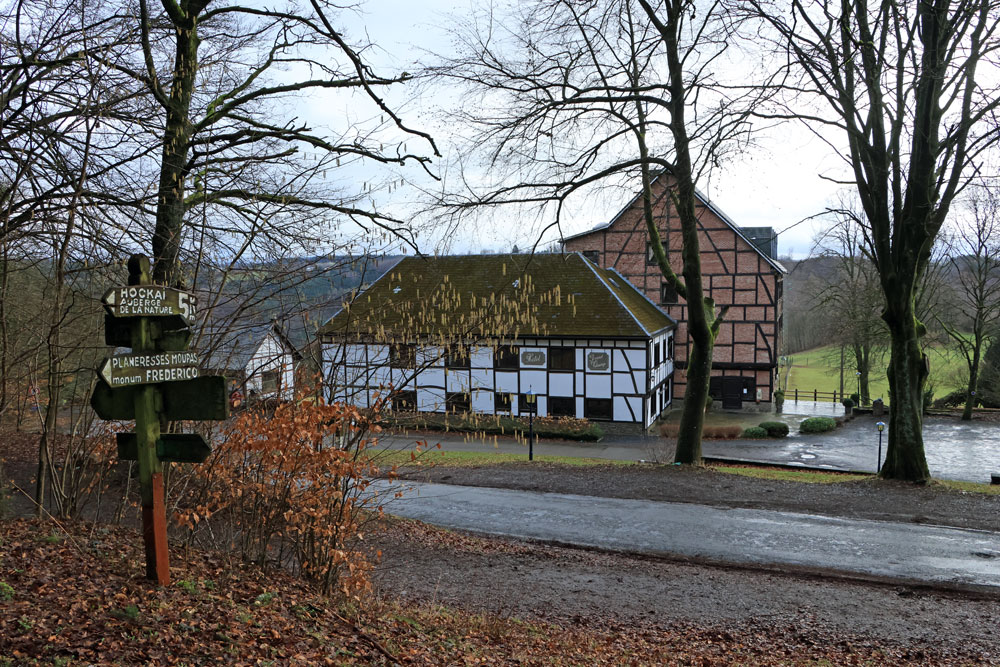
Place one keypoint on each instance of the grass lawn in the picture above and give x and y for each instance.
(388, 457)
(819, 368)
(807, 476)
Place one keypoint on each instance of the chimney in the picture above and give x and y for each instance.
(764, 238)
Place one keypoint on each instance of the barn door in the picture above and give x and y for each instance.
(732, 393)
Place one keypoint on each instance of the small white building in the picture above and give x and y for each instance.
(482, 333)
(257, 357)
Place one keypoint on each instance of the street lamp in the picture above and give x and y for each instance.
(881, 427)
(858, 375)
(530, 400)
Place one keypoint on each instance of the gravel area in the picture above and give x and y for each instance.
(567, 585)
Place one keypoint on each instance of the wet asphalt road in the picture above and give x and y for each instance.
(905, 552)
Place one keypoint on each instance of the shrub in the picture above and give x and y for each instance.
(568, 428)
(817, 425)
(671, 429)
(775, 429)
(952, 400)
(755, 433)
(848, 403)
(721, 432)
(708, 402)
(928, 396)
(856, 398)
(291, 488)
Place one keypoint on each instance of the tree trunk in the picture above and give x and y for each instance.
(173, 162)
(699, 371)
(970, 396)
(4, 338)
(862, 358)
(905, 457)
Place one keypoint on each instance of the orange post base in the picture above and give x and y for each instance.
(154, 535)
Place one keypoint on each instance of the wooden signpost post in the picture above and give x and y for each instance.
(157, 383)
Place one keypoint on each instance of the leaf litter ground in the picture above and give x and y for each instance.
(75, 595)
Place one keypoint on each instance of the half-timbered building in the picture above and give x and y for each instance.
(739, 270)
(503, 334)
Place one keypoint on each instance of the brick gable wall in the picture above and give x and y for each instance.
(733, 273)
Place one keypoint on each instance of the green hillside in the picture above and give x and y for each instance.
(819, 368)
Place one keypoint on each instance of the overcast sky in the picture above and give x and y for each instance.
(777, 185)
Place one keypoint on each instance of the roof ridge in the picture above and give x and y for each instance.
(621, 303)
(709, 204)
(642, 294)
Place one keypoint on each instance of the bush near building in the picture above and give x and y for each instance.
(775, 429)
(817, 425)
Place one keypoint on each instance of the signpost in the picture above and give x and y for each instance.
(159, 382)
(144, 300)
(123, 370)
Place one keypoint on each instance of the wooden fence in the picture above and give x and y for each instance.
(816, 395)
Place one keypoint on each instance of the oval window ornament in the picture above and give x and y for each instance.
(598, 361)
(533, 358)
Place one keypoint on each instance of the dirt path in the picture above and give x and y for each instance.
(862, 499)
(524, 580)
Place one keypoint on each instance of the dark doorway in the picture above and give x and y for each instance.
(732, 393)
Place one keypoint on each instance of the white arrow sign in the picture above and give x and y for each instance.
(124, 370)
(150, 301)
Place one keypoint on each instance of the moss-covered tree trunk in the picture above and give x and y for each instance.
(905, 457)
(703, 322)
(970, 393)
(170, 206)
(862, 357)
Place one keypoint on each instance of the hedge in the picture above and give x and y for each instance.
(817, 425)
(775, 429)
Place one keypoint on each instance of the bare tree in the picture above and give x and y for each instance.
(976, 263)
(575, 99)
(852, 303)
(904, 85)
(213, 70)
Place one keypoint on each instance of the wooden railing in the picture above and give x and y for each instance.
(816, 395)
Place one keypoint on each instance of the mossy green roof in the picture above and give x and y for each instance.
(500, 296)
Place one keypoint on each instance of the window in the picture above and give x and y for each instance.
(404, 401)
(668, 294)
(562, 406)
(501, 402)
(598, 408)
(505, 357)
(650, 255)
(403, 355)
(593, 255)
(749, 388)
(656, 355)
(562, 358)
(524, 406)
(457, 401)
(270, 382)
(456, 356)
(670, 348)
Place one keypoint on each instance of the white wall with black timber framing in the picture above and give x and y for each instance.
(604, 379)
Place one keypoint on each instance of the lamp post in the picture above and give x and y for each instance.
(530, 400)
(857, 374)
(878, 464)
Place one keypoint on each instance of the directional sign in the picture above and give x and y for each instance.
(150, 301)
(200, 399)
(170, 447)
(170, 334)
(126, 370)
